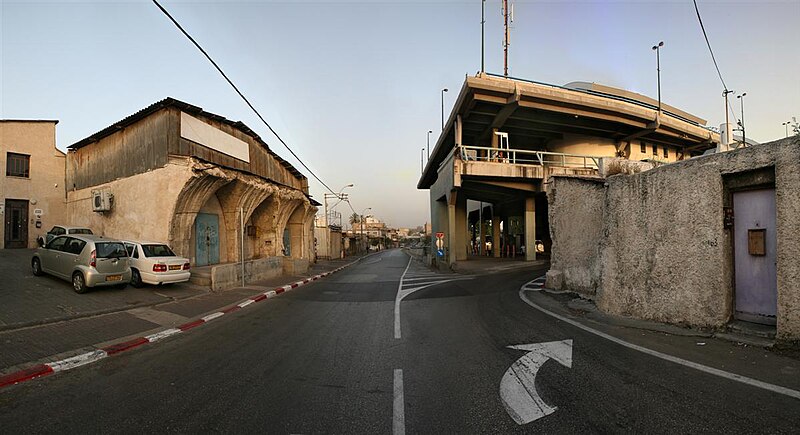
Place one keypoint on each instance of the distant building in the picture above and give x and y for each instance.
(208, 186)
(32, 189)
(488, 173)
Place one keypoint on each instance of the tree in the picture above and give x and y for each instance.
(354, 219)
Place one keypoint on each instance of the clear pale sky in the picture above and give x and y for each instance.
(353, 87)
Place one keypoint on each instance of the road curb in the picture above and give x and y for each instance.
(46, 369)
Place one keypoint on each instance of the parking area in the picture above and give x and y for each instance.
(27, 300)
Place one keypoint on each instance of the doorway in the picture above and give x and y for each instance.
(755, 258)
(207, 239)
(16, 224)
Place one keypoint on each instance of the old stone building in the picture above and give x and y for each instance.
(208, 186)
(32, 188)
(701, 242)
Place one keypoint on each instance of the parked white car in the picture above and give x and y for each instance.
(155, 263)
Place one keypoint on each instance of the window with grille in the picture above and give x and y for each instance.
(644, 147)
(18, 165)
(666, 152)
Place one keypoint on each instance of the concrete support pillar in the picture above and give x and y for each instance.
(459, 247)
(452, 239)
(530, 229)
(495, 233)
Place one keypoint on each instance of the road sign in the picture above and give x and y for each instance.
(518, 388)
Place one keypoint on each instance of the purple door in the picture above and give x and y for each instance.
(755, 255)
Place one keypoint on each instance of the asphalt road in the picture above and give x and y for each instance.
(323, 358)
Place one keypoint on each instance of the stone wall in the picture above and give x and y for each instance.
(663, 253)
(576, 228)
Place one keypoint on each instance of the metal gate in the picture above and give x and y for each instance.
(16, 224)
(206, 229)
(755, 256)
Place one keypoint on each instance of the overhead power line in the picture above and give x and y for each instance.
(705, 35)
(230, 82)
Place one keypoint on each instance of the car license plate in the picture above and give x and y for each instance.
(114, 278)
(176, 267)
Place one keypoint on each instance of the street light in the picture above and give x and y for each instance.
(744, 136)
(658, 69)
(362, 227)
(786, 127)
(421, 156)
(429, 143)
(443, 91)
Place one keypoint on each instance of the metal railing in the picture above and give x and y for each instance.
(527, 157)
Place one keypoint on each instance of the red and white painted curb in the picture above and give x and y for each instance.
(98, 354)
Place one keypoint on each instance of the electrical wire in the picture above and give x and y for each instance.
(235, 88)
(705, 35)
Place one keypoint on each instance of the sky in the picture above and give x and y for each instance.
(353, 87)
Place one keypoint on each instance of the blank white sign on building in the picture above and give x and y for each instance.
(198, 131)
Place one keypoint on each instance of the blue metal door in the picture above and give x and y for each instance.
(755, 255)
(206, 229)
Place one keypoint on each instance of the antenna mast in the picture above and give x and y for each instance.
(508, 15)
(483, 21)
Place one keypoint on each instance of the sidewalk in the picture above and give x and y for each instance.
(48, 320)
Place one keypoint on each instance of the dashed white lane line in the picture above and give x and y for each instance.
(399, 412)
(711, 370)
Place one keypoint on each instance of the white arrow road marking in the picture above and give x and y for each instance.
(518, 386)
(417, 280)
(711, 370)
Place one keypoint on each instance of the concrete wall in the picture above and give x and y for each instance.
(576, 227)
(44, 189)
(664, 252)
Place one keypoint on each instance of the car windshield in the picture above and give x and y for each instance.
(157, 251)
(81, 231)
(111, 250)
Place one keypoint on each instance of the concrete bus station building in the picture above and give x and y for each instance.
(490, 168)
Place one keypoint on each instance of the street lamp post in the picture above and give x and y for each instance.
(728, 132)
(786, 127)
(744, 135)
(421, 156)
(429, 143)
(443, 91)
(362, 227)
(337, 196)
(657, 48)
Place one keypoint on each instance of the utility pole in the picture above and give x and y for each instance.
(744, 135)
(429, 143)
(728, 131)
(421, 156)
(443, 91)
(507, 15)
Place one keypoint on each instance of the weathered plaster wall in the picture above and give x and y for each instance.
(142, 209)
(576, 229)
(664, 253)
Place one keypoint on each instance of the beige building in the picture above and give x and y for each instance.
(208, 186)
(489, 171)
(32, 189)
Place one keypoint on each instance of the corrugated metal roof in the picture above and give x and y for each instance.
(188, 108)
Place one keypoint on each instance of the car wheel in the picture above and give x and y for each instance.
(78, 283)
(136, 279)
(36, 267)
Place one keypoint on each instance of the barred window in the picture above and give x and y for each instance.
(18, 165)
(666, 152)
(644, 147)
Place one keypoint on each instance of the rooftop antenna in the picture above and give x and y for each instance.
(508, 15)
(483, 21)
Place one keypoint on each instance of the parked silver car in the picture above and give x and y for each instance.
(86, 260)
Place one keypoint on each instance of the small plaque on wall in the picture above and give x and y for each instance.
(757, 241)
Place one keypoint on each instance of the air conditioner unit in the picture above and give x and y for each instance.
(102, 200)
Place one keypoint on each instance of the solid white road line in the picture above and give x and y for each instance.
(397, 300)
(399, 411)
(77, 361)
(711, 370)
